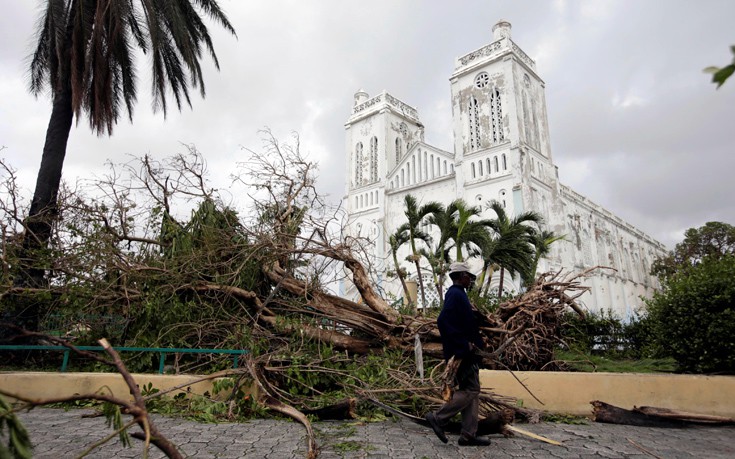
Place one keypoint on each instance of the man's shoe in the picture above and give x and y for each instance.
(436, 427)
(473, 441)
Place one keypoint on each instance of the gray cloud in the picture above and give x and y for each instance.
(635, 125)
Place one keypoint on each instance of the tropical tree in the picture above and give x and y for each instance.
(514, 247)
(510, 253)
(541, 241)
(84, 57)
(713, 240)
(468, 233)
(438, 258)
(416, 217)
(396, 240)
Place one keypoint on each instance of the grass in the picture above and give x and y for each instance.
(602, 363)
(565, 419)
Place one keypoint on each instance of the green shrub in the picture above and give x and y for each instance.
(599, 332)
(640, 338)
(694, 316)
(603, 333)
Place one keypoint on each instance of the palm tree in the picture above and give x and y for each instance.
(515, 240)
(439, 259)
(412, 228)
(396, 240)
(84, 57)
(510, 252)
(541, 241)
(467, 233)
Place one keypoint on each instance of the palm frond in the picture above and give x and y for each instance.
(87, 47)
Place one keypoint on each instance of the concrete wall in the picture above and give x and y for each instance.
(572, 392)
(38, 385)
(569, 393)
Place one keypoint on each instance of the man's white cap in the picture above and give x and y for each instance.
(460, 267)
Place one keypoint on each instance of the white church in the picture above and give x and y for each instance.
(501, 152)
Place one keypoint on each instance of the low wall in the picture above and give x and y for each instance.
(569, 393)
(37, 385)
(563, 392)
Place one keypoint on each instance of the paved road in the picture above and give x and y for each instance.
(60, 434)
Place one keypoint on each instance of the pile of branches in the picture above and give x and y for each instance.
(256, 279)
(521, 335)
(525, 330)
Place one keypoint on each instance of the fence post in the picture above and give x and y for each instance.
(65, 362)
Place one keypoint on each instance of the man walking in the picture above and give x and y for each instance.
(460, 336)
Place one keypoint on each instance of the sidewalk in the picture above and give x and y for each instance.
(60, 434)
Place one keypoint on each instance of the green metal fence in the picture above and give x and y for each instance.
(162, 351)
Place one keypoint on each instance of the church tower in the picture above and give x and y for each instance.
(379, 133)
(501, 134)
(502, 152)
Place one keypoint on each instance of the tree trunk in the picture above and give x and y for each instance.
(500, 287)
(399, 273)
(440, 291)
(684, 415)
(341, 410)
(604, 412)
(421, 282)
(43, 209)
(488, 272)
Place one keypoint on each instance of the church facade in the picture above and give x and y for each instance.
(501, 152)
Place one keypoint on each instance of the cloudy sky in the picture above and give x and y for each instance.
(635, 124)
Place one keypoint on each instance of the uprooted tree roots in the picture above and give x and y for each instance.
(321, 370)
(522, 335)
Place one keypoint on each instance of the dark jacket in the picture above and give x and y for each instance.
(458, 325)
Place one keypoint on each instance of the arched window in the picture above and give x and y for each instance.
(432, 167)
(496, 116)
(505, 163)
(473, 170)
(495, 160)
(426, 167)
(399, 149)
(357, 201)
(408, 173)
(374, 159)
(451, 168)
(438, 166)
(487, 165)
(479, 164)
(358, 164)
(403, 177)
(474, 120)
(371, 199)
(445, 167)
(418, 170)
(413, 169)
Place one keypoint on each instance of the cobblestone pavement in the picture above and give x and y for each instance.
(62, 434)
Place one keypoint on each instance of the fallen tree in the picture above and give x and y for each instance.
(257, 279)
(649, 416)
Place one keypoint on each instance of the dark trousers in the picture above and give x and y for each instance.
(466, 399)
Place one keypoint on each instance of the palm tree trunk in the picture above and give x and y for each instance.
(421, 281)
(500, 287)
(399, 273)
(489, 278)
(43, 209)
